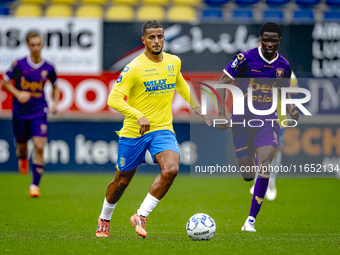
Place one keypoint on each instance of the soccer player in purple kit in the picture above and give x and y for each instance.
(30, 107)
(262, 69)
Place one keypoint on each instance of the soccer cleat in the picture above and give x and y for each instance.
(249, 225)
(271, 193)
(103, 228)
(34, 191)
(139, 223)
(23, 166)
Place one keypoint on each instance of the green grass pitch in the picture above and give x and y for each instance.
(304, 219)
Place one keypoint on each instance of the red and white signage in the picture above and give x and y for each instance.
(87, 95)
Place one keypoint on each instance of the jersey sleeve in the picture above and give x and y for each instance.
(12, 72)
(287, 78)
(293, 81)
(121, 89)
(183, 89)
(52, 76)
(285, 81)
(236, 66)
(125, 81)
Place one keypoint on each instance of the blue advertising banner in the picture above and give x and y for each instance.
(85, 146)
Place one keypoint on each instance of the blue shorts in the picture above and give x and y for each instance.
(131, 151)
(247, 140)
(25, 129)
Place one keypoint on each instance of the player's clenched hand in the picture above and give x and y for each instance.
(54, 109)
(223, 126)
(23, 96)
(294, 114)
(144, 125)
(198, 111)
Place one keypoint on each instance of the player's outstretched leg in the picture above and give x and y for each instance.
(37, 166)
(169, 163)
(114, 192)
(264, 157)
(22, 155)
(272, 190)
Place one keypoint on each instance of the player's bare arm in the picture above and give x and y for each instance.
(294, 114)
(56, 97)
(22, 96)
(198, 111)
(225, 79)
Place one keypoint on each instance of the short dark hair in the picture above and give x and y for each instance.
(31, 35)
(151, 24)
(270, 27)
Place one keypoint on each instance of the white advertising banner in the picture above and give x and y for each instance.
(72, 45)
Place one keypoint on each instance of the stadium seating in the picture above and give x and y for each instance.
(274, 15)
(4, 10)
(119, 13)
(28, 10)
(246, 2)
(182, 13)
(125, 1)
(148, 12)
(216, 2)
(303, 16)
(333, 3)
(89, 11)
(332, 16)
(307, 3)
(192, 2)
(242, 14)
(34, 1)
(179, 10)
(93, 1)
(63, 1)
(212, 14)
(276, 3)
(58, 11)
(163, 2)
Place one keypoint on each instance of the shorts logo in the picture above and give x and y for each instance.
(259, 200)
(171, 68)
(122, 161)
(279, 73)
(234, 64)
(120, 78)
(126, 69)
(43, 128)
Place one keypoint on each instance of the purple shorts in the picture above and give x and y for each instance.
(247, 140)
(25, 129)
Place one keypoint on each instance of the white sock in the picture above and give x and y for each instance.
(276, 162)
(107, 210)
(147, 206)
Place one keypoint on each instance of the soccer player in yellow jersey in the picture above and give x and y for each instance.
(149, 82)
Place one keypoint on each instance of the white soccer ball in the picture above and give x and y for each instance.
(201, 227)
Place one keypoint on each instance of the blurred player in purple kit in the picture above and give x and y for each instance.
(30, 107)
(262, 69)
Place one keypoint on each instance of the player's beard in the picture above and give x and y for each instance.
(156, 53)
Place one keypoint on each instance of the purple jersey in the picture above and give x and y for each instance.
(251, 69)
(30, 77)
